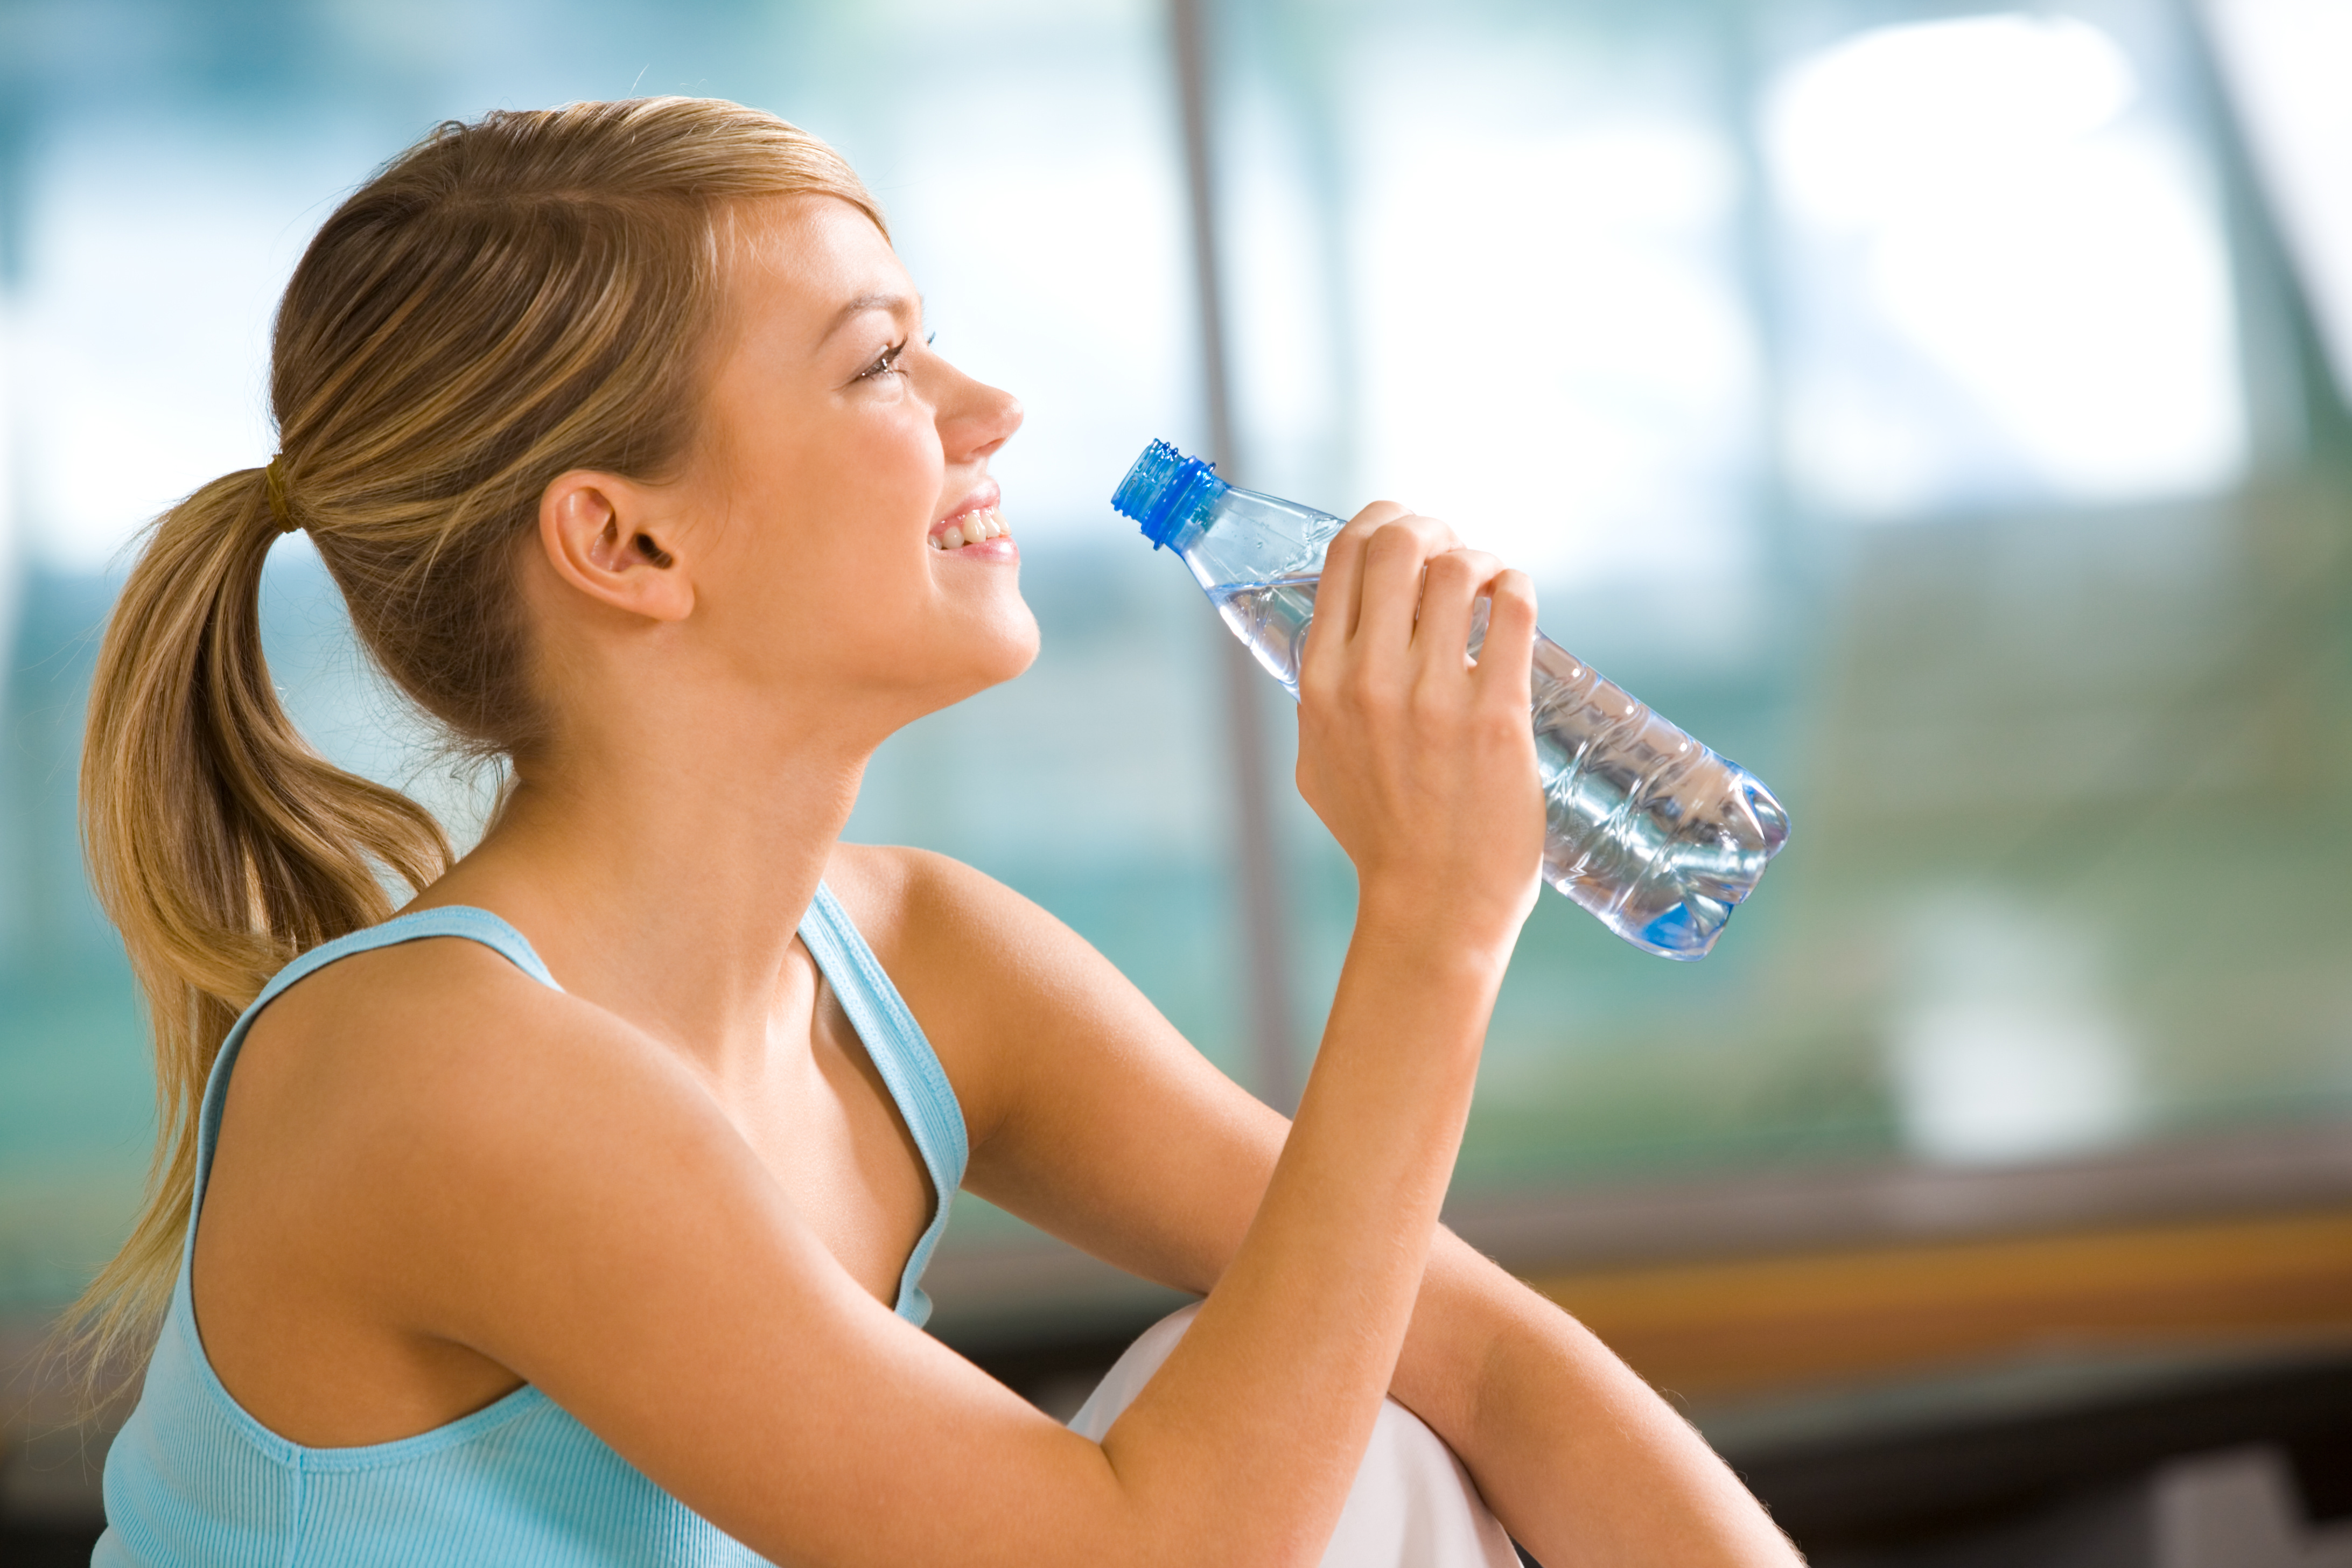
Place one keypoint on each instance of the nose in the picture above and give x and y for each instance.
(975, 419)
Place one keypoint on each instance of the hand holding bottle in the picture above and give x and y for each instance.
(1420, 761)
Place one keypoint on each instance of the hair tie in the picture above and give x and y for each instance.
(273, 478)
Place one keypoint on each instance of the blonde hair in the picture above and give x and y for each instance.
(507, 300)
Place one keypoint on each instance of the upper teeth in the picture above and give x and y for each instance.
(972, 528)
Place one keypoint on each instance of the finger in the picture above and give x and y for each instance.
(1390, 594)
(1506, 659)
(1450, 592)
(1336, 596)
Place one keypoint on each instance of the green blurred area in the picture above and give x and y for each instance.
(2131, 732)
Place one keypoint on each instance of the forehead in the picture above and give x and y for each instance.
(796, 262)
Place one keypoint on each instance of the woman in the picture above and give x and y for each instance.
(577, 1213)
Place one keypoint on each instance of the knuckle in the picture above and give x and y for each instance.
(1508, 734)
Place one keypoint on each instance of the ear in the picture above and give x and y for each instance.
(604, 538)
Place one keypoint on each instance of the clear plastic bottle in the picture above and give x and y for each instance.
(1649, 830)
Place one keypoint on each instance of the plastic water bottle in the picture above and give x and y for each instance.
(1646, 828)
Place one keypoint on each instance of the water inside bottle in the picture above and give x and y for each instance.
(1647, 829)
(1271, 617)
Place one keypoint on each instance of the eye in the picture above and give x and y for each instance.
(886, 364)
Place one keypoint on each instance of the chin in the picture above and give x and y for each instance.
(1015, 650)
(991, 651)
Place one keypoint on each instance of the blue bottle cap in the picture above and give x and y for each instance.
(1166, 490)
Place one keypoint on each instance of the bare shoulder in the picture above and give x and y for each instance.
(1024, 1014)
(930, 918)
(422, 1107)
(928, 915)
(906, 894)
(990, 976)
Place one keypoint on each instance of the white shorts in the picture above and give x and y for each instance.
(1412, 1505)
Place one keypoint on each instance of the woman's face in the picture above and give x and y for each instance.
(839, 454)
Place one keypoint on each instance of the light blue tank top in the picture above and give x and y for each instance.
(193, 1481)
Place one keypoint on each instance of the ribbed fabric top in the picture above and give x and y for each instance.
(194, 1479)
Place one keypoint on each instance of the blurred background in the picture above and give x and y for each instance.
(1940, 409)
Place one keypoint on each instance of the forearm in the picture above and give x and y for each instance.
(1582, 1460)
(1282, 1374)
(1421, 763)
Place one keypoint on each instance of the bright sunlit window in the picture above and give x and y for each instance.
(2014, 283)
(2288, 62)
(1556, 350)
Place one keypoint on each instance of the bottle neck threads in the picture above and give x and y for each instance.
(1167, 492)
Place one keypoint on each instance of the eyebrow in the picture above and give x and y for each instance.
(894, 303)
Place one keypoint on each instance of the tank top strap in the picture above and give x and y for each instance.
(454, 920)
(909, 1068)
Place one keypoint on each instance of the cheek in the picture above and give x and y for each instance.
(849, 476)
(894, 465)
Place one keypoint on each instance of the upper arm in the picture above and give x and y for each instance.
(1094, 1120)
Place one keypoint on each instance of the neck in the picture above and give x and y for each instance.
(662, 880)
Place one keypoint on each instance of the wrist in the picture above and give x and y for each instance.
(1438, 932)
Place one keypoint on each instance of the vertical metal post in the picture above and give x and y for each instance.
(1266, 948)
(16, 126)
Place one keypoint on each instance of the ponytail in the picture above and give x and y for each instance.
(218, 841)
